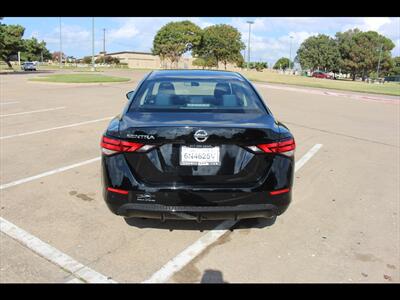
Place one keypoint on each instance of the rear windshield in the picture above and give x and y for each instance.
(179, 95)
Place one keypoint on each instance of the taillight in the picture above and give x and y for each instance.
(112, 145)
(278, 192)
(286, 147)
(118, 191)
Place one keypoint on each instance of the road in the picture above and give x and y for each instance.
(343, 224)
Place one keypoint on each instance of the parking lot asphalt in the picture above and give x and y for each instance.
(342, 226)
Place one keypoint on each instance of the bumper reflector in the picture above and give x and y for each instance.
(278, 192)
(123, 192)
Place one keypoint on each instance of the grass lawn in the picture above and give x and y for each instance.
(388, 88)
(5, 68)
(86, 69)
(79, 78)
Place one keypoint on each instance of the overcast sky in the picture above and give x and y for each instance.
(270, 37)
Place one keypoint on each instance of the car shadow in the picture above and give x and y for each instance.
(212, 276)
(28, 72)
(172, 225)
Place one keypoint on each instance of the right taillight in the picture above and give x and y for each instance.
(285, 147)
(111, 146)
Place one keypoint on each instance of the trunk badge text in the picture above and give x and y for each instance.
(141, 136)
(201, 136)
(145, 197)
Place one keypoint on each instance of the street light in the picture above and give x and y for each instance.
(93, 65)
(104, 41)
(290, 56)
(60, 54)
(379, 62)
(248, 47)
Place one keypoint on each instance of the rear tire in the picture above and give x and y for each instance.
(267, 221)
(134, 221)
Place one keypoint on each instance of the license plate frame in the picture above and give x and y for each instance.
(204, 155)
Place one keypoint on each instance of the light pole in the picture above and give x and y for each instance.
(379, 62)
(60, 54)
(248, 43)
(290, 55)
(104, 41)
(93, 66)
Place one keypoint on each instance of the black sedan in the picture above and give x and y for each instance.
(197, 145)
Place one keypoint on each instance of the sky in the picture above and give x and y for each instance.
(269, 40)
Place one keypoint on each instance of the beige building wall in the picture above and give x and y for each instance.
(143, 60)
(137, 60)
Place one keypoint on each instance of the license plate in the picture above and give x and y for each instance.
(195, 156)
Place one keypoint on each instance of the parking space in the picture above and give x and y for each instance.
(343, 224)
(23, 266)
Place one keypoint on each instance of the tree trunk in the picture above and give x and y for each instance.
(8, 63)
(353, 76)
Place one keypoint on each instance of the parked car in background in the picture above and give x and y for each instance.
(28, 66)
(394, 78)
(319, 74)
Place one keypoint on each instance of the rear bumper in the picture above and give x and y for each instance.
(198, 213)
(181, 205)
(195, 203)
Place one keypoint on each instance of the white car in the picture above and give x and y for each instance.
(28, 66)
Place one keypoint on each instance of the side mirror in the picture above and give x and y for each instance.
(129, 94)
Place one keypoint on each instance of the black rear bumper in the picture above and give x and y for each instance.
(198, 213)
(194, 202)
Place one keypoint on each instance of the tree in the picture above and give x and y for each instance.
(107, 59)
(87, 60)
(396, 66)
(282, 63)
(240, 63)
(222, 42)
(238, 59)
(319, 53)
(205, 62)
(34, 51)
(56, 56)
(10, 41)
(360, 51)
(259, 66)
(176, 38)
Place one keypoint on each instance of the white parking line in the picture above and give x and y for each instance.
(54, 128)
(52, 254)
(305, 158)
(11, 102)
(58, 170)
(187, 255)
(32, 111)
(80, 271)
(75, 280)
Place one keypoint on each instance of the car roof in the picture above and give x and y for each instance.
(203, 74)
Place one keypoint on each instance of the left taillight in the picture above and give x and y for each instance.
(111, 146)
(285, 147)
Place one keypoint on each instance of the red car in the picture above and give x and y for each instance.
(321, 75)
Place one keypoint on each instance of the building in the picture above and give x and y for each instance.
(146, 60)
